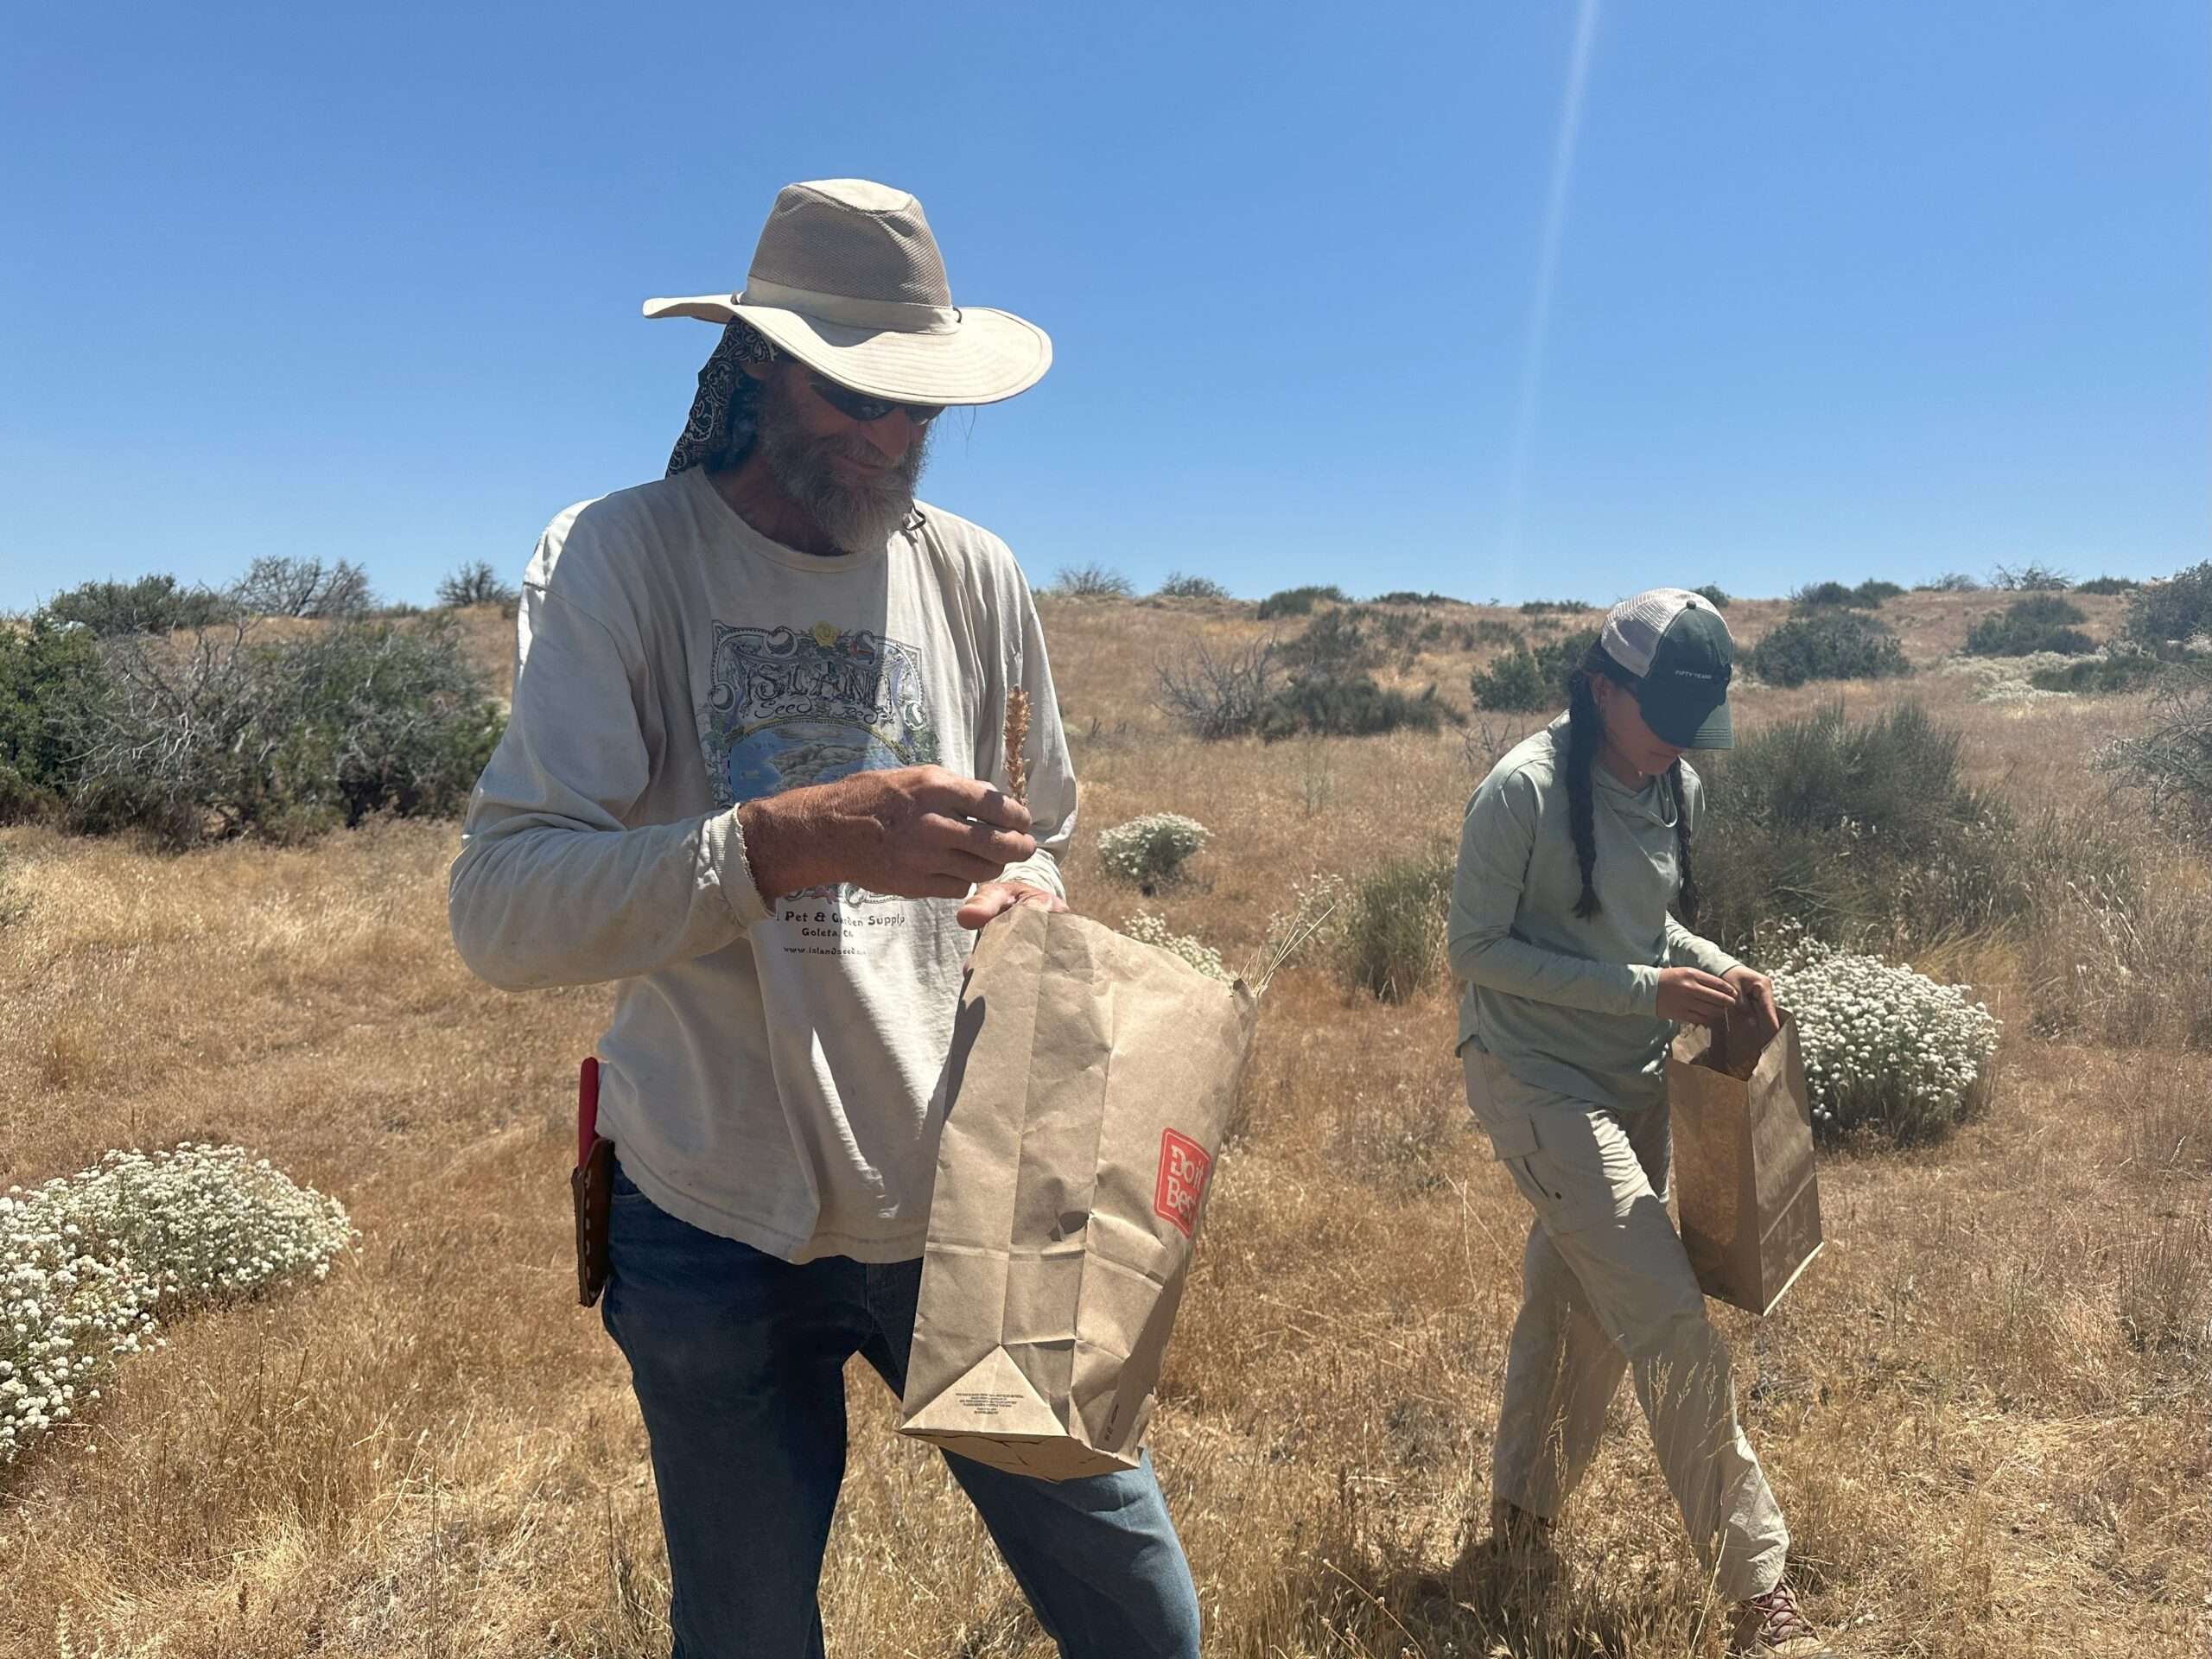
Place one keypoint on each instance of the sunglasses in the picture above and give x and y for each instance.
(854, 407)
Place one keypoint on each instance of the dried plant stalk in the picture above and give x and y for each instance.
(1281, 946)
(1017, 736)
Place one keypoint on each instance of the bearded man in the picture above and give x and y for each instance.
(757, 708)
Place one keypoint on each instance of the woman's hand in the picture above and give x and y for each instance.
(1694, 996)
(1756, 992)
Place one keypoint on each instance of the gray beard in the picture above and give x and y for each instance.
(856, 517)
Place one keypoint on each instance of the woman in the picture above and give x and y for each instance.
(1575, 847)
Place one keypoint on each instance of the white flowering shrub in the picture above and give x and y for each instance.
(1887, 1049)
(2010, 679)
(1147, 929)
(89, 1260)
(1150, 850)
(68, 1304)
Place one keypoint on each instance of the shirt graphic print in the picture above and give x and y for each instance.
(787, 708)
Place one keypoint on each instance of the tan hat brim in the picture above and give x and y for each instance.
(987, 357)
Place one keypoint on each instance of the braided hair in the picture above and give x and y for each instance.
(1585, 730)
(1586, 727)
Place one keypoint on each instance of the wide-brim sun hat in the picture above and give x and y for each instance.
(847, 279)
(1674, 648)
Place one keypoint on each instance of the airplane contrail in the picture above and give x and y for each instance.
(1540, 308)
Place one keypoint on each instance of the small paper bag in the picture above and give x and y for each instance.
(1749, 1200)
(1090, 1082)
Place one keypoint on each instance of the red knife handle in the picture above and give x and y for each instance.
(587, 1110)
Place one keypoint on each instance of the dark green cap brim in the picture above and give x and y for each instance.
(1689, 726)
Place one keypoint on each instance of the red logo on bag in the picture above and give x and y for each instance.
(1184, 1166)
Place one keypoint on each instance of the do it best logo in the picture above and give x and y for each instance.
(1184, 1166)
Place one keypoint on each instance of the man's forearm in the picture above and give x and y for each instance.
(787, 847)
(533, 906)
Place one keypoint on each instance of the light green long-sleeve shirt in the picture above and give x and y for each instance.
(1566, 1005)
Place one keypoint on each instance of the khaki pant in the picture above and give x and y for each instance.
(1607, 1287)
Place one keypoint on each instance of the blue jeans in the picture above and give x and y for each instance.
(738, 1359)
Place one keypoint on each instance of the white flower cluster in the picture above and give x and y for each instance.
(1147, 929)
(1152, 847)
(88, 1261)
(2011, 679)
(1885, 1048)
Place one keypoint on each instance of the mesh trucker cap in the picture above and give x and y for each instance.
(1676, 649)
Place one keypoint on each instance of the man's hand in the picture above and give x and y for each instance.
(1694, 996)
(918, 832)
(997, 898)
(1754, 991)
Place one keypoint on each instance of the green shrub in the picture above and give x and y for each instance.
(1405, 634)
(1559, 658)
(2031, 578)
(2037, 621)
(2174, 611)
(1854, 832)
(1404, 597)
(1831, 595)
(2105, 586)
(1335, 644)
(44, 667)
(154, 604)
(1714, 595)
(1530, 681)
(1835, 596)
(1513, 683)
(1562, 607)
(1828, 646)
(1150, 850)
(227, 732)
(1327, 707)
(1392, 942)
(386, 718)
(1298, 601)
(1178, 586)
(2123, 671)
(1091, 581)
(1951, 581)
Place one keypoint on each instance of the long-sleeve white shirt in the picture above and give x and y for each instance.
(773, 1073)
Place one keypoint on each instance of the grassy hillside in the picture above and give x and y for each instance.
(1983, 1409)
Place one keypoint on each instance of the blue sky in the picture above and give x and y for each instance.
(1836, 290)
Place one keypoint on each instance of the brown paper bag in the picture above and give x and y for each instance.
(1090, 1081)
(1744, 1179)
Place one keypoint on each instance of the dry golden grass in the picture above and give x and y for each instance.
(1985, 1409)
